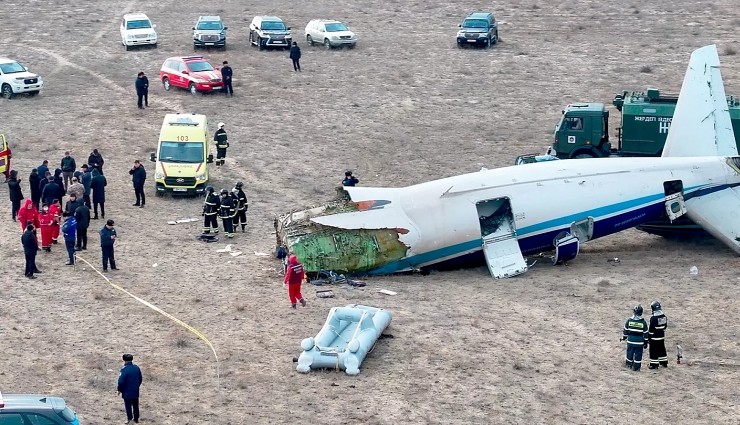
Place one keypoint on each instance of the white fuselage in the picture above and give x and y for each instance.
(546, 198)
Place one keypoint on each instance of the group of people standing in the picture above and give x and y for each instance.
(231, 207)
(639, 335)
(43, 212)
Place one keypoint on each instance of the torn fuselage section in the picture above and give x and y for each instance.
(322, 247)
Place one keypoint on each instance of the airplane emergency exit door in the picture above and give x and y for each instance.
(500, 245)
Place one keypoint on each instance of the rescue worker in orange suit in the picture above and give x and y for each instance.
(226, 212)
(46, 221)
(211, 207)
(222, 142)
(636, 334)
(294, 275)
(28, 214)
(56, 209)
(656, 332)
(241, 203)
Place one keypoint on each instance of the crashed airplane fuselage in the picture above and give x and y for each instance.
(521, 210)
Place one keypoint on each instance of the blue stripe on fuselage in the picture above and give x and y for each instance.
(540, 242)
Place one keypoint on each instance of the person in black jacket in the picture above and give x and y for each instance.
(61, 187)
(50, 190)
(82, 215)
(142, 90)
(222, 142)
(138, 177)
(34, 180)
(295, 56)
(98, 185)
(226, 74)
(72, 204)
(68, 167)
(211, 208)
(241, 204)
(16, 195)
(107, 239)
(227, 212)
(656, 334)
(96, 161)
(30, 247)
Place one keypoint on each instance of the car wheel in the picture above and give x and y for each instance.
(192, 89)
(6, 91)
(154, 45)
(584, 155)
(309, 40)
(495, 38)
(487, 43)
(351, 46)
(260, 45)
(33, 93)
(166, 83)
(126, 46)
(327, 45)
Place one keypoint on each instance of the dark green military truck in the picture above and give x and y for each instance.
(583, 131)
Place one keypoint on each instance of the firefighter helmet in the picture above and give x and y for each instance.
(209, 189)
(655, 305)
(224, 191)
(239, 185)
(637, 310)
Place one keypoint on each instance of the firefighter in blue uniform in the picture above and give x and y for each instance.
(656, 331)
(241, 204)
(211, 207)
(636, 334)
(227, 212)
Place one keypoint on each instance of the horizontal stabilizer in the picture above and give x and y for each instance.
(701, 123)
(719, 214)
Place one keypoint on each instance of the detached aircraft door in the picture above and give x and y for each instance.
(500, 245)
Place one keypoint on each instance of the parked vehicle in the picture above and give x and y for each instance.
(30, 409)
(182, 155)
(330, 33)
(137, 30)
(478, 28)
(583, 130)
(209, 31)
(15, 79)
(193, 73)
(269, 31)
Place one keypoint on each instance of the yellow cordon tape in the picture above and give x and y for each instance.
(194, 331)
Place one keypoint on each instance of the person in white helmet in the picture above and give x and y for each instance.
(222, 142)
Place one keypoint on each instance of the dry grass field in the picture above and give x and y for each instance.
(405, 106)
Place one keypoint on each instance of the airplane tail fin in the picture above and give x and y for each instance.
(701, 123)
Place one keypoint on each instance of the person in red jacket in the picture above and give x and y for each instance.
(56, 210)
(293, 277)
(46, 221)
(28, 214)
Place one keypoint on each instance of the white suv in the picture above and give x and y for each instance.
(269, 31)
(137, 30)
(15, 78)
(330, 33)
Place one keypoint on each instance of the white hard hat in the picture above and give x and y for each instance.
(221, 125)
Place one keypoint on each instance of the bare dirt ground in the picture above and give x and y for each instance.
(406, 106)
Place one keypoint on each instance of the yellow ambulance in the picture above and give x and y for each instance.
(182, 155)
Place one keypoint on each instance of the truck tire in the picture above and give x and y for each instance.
(584, 155)
(309, 40)
(7, 91)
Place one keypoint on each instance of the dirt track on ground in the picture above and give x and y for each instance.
(406, 106)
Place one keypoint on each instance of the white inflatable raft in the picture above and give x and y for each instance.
(347, 336)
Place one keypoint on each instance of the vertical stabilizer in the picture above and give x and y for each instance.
(701, 123)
